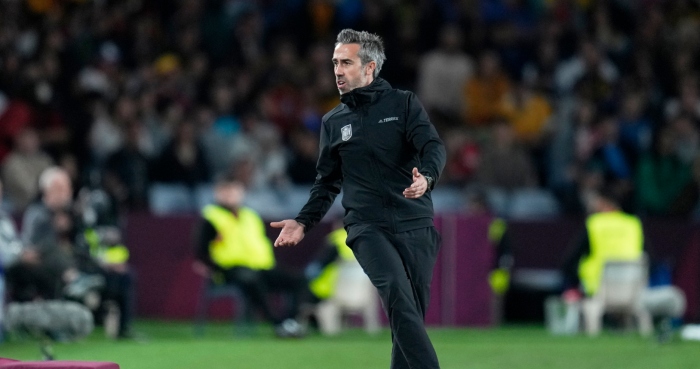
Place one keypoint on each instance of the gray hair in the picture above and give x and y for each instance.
(49, 175)
(371, 46)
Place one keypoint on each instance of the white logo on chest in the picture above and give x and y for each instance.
(346, 132)
(388, 119)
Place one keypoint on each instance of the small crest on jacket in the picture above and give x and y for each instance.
(346, 132)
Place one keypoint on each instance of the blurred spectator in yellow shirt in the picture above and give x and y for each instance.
(484, 93)
(529, 113)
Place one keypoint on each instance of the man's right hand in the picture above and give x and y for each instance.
(292, 232)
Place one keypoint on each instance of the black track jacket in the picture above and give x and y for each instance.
(369, 144)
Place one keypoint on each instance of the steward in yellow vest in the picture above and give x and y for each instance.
(610, 235)
(108, 258)
(499, 277)
(499, 238)
(240, 241)
(232, 248)
(323, 272)
(105, 246)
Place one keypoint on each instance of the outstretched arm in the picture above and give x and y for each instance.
(327, 184)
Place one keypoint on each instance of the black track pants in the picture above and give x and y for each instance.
(400, 265)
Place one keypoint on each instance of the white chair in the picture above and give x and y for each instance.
(354, 294)
(562, 318)
(621, 290)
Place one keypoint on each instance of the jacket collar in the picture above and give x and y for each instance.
(365, 95)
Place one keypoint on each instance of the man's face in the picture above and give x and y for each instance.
(349, 72)
(59, 194)
(230, 194)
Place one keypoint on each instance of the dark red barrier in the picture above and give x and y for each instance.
(162, 253)
(162, 256)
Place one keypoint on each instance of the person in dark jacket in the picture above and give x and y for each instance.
(380, 147)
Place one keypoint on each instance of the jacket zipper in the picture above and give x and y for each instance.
(386, 193)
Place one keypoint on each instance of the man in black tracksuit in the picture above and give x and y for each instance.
(379, 146)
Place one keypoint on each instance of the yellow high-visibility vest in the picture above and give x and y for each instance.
(323, 286)
(241, 239)
(110, 254)
(497, 228)
(499, 278)
(117, 254)
(612, 236)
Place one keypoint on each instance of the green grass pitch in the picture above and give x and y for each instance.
(172, 345)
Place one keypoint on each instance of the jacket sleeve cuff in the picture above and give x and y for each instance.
(303, 222)
(430, 173)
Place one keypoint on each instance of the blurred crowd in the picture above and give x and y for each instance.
(566, 96)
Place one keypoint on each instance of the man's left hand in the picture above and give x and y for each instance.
(418, 188)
